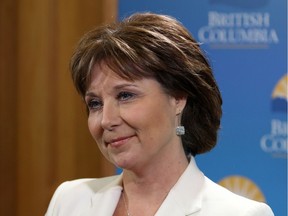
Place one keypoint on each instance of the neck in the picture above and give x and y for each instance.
(154, 179)
(145, 193)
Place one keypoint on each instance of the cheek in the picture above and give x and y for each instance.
(94, 128)
(149, 120)
(135, 117)
(96, 132)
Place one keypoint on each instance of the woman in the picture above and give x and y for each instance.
(153, 105)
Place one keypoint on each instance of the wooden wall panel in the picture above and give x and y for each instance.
(36, 103)
(8, 104)
(44, 137)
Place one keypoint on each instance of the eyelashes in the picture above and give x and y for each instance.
(123, 96)
(95, 104)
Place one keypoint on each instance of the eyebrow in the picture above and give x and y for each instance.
(117, 87)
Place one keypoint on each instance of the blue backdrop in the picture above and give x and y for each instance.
(246, 42)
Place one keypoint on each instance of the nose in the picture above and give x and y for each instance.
(110, 115)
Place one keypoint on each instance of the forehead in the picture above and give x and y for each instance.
(101, 70)
(114, 69)
(100, 75)
(105, 80)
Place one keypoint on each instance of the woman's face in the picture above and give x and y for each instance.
(133, 122)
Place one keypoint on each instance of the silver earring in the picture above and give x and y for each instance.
(180, 130)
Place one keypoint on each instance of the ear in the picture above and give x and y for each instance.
(180, 103)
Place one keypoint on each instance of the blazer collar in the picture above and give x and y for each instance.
(104, 201)
(184, 198)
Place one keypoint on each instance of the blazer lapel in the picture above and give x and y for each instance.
(104, 202)
(185, 198)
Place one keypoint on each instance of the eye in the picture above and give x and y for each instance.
(123, 96)
(94, 104)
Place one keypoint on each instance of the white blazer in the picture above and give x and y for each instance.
(193, 194)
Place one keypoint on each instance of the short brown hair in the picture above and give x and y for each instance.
(158, 46)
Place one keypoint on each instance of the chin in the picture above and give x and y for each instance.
(122, 163)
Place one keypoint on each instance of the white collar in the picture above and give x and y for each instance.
(183, 199)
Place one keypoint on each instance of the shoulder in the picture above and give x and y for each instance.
(84, 186)
(76, 195)
(219, 199)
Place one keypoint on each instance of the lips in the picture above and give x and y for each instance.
(117, 142)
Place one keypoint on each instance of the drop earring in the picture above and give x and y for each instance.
(180, 130)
